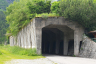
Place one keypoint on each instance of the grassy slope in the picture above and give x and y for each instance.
(7, 55)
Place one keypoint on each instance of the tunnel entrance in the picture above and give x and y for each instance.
(48, 42)
(53, 40)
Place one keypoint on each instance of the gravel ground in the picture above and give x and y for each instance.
(27, 61)
(54, 59)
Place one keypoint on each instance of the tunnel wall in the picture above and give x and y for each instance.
(78, 31)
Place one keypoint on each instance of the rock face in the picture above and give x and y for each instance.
(88, 48)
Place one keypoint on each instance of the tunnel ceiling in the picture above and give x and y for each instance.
(62, 28)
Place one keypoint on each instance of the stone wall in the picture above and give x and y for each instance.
(88, 48)
(26, 38)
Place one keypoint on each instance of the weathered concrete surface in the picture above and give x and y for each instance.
(60, 23)
(26, 37)
(88, 48)
(31, 35)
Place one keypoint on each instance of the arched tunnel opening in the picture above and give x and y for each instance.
(48, 40)
(53, 41)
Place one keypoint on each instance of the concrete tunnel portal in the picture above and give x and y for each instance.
(54, 35)
(57, 39)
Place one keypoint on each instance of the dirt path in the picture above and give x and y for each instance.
(26, 61)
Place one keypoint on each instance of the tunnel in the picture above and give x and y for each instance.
(53, 40)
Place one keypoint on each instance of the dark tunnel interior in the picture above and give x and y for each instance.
(53, 41)
(49, 39)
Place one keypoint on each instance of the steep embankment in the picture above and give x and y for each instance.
(88, 48)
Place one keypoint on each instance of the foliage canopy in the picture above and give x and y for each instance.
(3, 4)
(3, 27)
(3, 24)
(19, 13)
(55, 7)
(82, 11)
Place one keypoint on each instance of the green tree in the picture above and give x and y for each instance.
(55, 7)
(82, 11)
(3, 24)
(39, 6)
(3, 27)
(19, 13)
(17, 16)
(3, 4)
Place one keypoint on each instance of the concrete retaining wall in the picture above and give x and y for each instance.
(88, 48)
(26, 38)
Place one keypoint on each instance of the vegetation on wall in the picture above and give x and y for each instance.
(47, 14)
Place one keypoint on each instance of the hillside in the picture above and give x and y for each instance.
(3, 4)
(10, 1)
(3, 25)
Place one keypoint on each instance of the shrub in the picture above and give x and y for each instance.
(55, 7)
(39, 7)
(44, 16)
(22, 51)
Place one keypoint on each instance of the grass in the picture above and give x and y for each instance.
(47, 15)
(7, 53)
